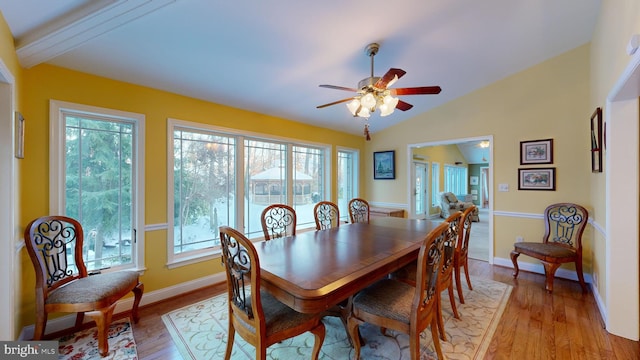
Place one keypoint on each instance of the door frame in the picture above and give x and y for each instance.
(409, 165)
(10, 233)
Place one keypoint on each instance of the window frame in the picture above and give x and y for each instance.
(435, 185)
(240, 136)
(355, 180)
(57, 131)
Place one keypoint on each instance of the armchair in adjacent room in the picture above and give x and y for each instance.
(449, 204)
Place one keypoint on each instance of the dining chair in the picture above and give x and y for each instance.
(326, 215)
(55, 245)
(445, 278)
(564, 224)
(258, 317)
(358, 210)
(461, 255)
(393, 304)
(278, 220)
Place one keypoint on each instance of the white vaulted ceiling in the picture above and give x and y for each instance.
(270, 56)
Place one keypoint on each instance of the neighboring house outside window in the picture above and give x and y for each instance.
(224, 177)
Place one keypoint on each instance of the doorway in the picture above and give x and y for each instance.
(8, 191)
(482, 169)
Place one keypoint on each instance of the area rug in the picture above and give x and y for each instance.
(200, 331)
(83, 345)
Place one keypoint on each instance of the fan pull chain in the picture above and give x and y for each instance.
(366, 132)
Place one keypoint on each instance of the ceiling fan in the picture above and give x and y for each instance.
(374, 93)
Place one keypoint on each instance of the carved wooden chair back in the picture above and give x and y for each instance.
(278, 220)
(258, 317)
(461, 255)
(562, 242)
(358, 210)
(326, 215)
(379, 303)
(55, 247)
(445, 279)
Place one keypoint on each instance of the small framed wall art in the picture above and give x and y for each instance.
(596, 141)
(19, 140)
(536, 152)
(537, 179)
(384, 165)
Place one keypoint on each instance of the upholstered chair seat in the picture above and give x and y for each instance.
(279, 317)
(63, 284)
(546, 250)
(102, 288)
(387, 298)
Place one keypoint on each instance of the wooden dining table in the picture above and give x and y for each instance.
(315, 270)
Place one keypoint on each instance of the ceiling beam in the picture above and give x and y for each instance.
(79, 26)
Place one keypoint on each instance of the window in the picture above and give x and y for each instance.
(347, 180)
(435, 184)
(222, 177)
(265, 165)
(204, 189)
(309, 177)
(97, 178)
(455, 179)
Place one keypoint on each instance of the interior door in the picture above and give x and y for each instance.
(420, 194)
(484, 187)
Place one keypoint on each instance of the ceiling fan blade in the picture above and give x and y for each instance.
(404, 106)
(384, 81)
(338, 88)
(333, 103)
(422, 90)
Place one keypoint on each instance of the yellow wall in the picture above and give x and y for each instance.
(618, 20)
(45, 82)
(548, 100)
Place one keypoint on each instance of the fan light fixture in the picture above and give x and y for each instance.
(372, 98)
(373, 93)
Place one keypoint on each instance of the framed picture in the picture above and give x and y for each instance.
(596, 141)
(537, 179)
(19, 141)
(473, 180)
(384, 164)
(536, 152)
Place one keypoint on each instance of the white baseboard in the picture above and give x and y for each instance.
(123, 305)
(539, 269)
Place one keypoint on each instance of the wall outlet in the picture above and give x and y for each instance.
(519, 238)
(503, 187)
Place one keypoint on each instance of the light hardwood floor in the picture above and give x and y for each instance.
(535, 325)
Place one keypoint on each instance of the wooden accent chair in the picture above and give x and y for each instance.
(394, 304)
(254, 313)
(564, 224)
(445, 278)
(326, 215)
(358, 210)
(461, 256)
(54, 244)
(278, 220)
